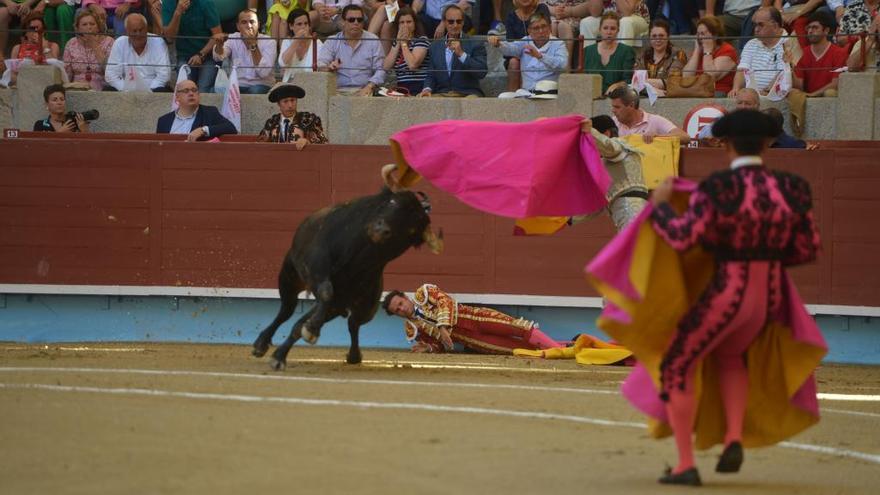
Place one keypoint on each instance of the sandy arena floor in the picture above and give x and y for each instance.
(208, 419)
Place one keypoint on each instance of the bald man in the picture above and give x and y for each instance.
(199, 122)
(138, 61)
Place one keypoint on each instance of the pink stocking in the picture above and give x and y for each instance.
(681, 409)
(540, 340)
(733, 380)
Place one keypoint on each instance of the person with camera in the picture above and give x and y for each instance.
(59, 119)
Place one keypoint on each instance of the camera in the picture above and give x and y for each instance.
(88, 115)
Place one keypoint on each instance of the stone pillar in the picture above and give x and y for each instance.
(855, 105)
(30, 106)
(576, 93)
(319, 87)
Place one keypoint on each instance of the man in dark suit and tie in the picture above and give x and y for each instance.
(457, 63)
(198, 122)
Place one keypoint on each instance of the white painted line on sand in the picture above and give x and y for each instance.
(851, 413)
(402, 405)
(849, 397)
(360, 381)
(324, 402)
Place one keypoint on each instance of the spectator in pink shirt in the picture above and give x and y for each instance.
(630, 119)
(85, 56)
(117, 10)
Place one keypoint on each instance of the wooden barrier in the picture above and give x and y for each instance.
(165, 213)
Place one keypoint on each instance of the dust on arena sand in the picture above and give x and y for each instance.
(182, 418)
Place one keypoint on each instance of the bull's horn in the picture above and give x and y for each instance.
(388, 177)
(434, 241)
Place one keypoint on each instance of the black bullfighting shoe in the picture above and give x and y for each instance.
(690, 477)
(731, 459)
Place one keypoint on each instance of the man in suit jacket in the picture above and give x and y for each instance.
(198, 122)
(456, 63)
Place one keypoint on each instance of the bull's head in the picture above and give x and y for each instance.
(434, 241)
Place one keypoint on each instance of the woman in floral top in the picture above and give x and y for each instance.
(85, 56)
(634, 19)
(661, 57)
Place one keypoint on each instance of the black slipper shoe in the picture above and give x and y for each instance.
(731, 459)
(690, 477)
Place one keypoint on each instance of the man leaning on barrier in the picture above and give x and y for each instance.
(291, 126)
(199, 122)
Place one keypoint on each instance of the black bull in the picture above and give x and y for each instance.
(339, 254)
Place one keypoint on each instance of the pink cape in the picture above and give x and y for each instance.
(546, 167)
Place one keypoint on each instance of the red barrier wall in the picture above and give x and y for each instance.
(139, 212)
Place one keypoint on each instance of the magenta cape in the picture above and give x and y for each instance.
(546, 167)
(649, 286)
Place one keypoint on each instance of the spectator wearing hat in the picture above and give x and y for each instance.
(290, 126)
(814, 73)
(542, 56)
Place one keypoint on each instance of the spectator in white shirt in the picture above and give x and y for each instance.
(252, 53)
(297, 52)
(138, 62)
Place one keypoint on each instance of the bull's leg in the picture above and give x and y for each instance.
(289, 286)
(311, 331)
(279, 357)
(362, 311)
(354, 351)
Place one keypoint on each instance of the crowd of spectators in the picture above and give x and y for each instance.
(437, 47)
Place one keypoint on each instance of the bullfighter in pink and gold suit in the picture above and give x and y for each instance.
(725, 347)
(434, 321)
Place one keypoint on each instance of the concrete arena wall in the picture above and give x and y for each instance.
(353, 120)
(37, 318)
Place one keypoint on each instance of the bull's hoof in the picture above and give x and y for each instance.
(353, 358)
(277, 365)
(309, 336)
(260, 349)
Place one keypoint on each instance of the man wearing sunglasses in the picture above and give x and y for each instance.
(457, 63)
(355, 55)
(432, 14)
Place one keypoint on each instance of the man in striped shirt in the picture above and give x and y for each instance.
(764, 58)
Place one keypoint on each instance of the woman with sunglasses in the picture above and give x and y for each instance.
(34, 45)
